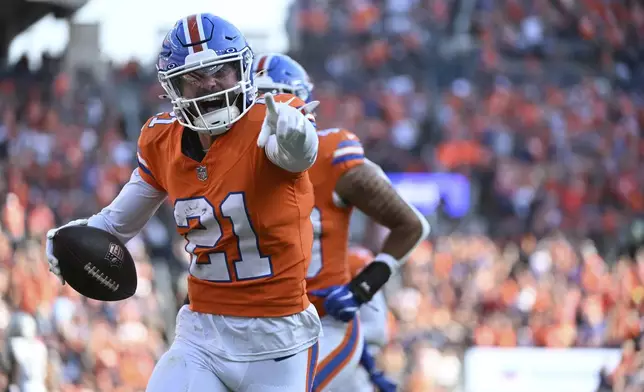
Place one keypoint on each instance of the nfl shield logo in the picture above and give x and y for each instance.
(202, 174)
(115, 255)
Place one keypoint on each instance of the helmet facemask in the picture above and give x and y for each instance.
(210, 92)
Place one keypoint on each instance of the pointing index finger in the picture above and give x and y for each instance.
(271, 107)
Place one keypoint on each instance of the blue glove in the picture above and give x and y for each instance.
(339, 302)
(377, 377)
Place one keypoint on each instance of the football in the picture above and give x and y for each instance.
(95, 263)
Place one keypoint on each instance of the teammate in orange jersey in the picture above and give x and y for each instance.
(342, 179)
(235, 169)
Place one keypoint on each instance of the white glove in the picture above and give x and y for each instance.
(287, 123)
(49, 247)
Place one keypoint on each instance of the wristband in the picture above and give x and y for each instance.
(388, 259)
(367, 283)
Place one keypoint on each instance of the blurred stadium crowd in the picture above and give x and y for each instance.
(541, 106)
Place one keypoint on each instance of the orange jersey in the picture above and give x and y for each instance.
(245, 220)
(339, 150)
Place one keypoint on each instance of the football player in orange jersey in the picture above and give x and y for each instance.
(235, 169)
(342, 179)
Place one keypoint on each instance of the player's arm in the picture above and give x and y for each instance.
(367, 188)
(288, 135)
(126, 215)
(142, 196)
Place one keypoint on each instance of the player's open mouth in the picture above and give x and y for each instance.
(213, 104)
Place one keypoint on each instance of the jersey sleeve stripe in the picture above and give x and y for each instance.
(143, 165)
(145, 170)
(347, 158)
(348, 151)
(349, 143)
(149, 179)
(141, 160)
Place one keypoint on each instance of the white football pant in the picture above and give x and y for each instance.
(340, 351)
(194, 364)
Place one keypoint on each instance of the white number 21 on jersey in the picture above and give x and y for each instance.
(207, 234)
